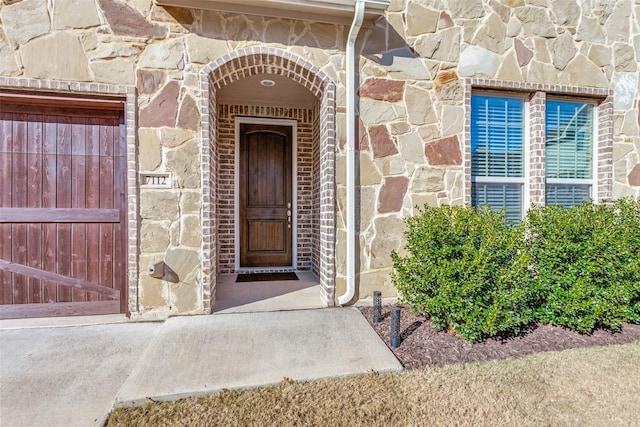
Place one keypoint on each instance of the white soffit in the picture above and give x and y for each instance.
(328, 11)
(251, 91)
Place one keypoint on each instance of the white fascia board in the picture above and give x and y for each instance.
(328, 11)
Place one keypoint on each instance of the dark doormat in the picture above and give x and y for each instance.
(266, 277)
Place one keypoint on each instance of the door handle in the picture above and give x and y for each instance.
(289, 218)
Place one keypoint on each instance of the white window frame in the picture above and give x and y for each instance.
(537, 93)
(593, 181)
(525, 147)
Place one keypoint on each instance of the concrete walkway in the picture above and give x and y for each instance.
(73, 376)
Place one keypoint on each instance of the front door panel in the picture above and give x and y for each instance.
(265, 196)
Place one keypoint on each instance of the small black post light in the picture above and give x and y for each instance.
(395, 327)
(377, 306)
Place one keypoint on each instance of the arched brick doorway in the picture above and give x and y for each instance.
(317, 224)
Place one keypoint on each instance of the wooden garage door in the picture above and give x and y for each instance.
(62, 209)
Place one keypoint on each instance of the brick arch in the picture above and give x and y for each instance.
(265, 60)
(237, 65)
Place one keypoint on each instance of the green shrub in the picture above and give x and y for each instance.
(466, 271)
(628, 224)
(585, 258)
(472, 273)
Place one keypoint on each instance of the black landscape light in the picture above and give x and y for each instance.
(377, 306)
(395, 327)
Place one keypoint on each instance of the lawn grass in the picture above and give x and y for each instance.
(598, 386)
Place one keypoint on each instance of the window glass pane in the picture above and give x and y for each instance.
(497, 135)
(499, 196)
(567, 195)
(569, 136)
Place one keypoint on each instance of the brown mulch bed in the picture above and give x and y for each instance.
(422, 345)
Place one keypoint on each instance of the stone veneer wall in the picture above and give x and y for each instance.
(414, 67)
(226, 179)
(423, 61)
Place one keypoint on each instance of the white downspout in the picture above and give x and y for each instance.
(351, 153)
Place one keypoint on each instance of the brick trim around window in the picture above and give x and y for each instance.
(538, 94)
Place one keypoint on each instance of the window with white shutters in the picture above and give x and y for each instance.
(569, 139)
(497, 153)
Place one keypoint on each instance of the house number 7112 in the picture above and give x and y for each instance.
(162, 180)
(156, 180)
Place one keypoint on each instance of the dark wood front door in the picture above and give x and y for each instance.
(63, 211)
(265, 196)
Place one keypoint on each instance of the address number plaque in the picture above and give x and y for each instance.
(155, 179)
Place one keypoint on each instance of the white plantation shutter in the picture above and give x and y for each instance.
(497, 155)
(567, 195)
(498, 196)
(569, 152)
(497, 136)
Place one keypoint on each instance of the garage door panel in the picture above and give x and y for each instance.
(59, 309)
(19, 255)
(93, 259)
(49, 261)
(6, 126)
(63, 182)
(111, 136)
(19, 158)
(78, 263)
(92, 149)
(49, 164)
(120, 266)
(106, 183)
(120, 150)
(106, 254)
(34, 161)
(33, 193)
(6, 120)
(34, 259)
(6, 289)
(78, 181)
(93, 165)
(78, 258)
(78, 196)
(78, 130)
(52, 159)
(63, 260)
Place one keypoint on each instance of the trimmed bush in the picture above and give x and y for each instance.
(628, 211)
(476, 275)
(583, 263)
(465, 270)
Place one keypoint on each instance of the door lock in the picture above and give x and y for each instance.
(289, 218)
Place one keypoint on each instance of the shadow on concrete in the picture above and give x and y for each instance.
(232, 297)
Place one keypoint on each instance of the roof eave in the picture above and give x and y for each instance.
(327, 11)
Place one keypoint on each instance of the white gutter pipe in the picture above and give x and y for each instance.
(351, 153)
